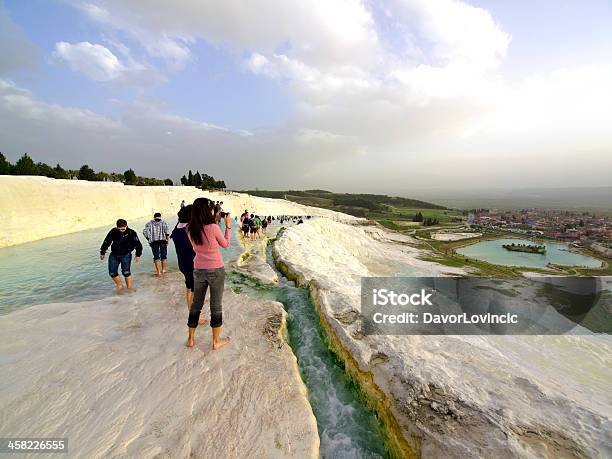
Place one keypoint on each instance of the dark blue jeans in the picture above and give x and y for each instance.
(115, 260)
(159, 249)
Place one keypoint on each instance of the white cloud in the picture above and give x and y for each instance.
(100, 64)
(320, 33)
(18, 104)
(454, 31)
(95, 61)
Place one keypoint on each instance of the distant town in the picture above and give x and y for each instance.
(579, 229)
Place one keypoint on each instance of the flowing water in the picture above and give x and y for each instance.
(347, 428)
(68, 269)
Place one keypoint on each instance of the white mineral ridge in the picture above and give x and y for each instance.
(449, 237)
(115, 378)
(34, 208)
(463, 396)
(253, 261)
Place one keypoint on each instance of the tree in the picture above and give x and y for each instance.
(197, 179)
(184, 180)
(207, 182)
(168, 182)
(130, 177)
(87, 173)
(25, 166)
(5, 166)
(190, 178)
(102, 177)
(45, 169)
(60, 173)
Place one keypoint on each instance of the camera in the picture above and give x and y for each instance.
(223, 214)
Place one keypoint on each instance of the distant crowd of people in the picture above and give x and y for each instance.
(254, 227)
(197, 239)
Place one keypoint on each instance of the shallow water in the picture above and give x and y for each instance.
(68, 268)
(347, 428)
(556, 253)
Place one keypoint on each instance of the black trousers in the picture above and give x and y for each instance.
(202, 279)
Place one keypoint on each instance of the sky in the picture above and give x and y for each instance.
(347, 95)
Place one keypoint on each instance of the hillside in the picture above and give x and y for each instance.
(388, 210)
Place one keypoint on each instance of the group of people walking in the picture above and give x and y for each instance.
(253, 226)
(197, 238)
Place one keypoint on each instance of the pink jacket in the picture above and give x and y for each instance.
(208, 255)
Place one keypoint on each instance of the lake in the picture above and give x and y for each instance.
(556, 253)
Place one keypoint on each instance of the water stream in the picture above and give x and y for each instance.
(347, 428)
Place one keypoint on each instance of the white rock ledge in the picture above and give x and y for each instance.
(453, 396)
(115, 377)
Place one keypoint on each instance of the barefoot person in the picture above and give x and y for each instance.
(122, 241)
(206, 238)
(156, 232)
(184, 251)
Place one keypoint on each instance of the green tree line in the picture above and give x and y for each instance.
(26, 166)
(204, 181)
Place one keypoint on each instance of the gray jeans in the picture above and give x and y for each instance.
(202, 279)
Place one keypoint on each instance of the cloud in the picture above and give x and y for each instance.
(453, 31)
(155, 142)
(100, 64)
(157, 42)
(348, 78)
(320, 33)
(382, 91)
(18, 104)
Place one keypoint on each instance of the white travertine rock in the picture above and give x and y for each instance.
(459, 396)
(34, 208)
(115, 377)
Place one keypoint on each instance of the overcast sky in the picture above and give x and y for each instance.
(374, 96)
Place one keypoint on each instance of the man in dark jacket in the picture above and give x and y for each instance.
(122, 241)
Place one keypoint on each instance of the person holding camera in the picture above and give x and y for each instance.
(209, 271)
(157, 233)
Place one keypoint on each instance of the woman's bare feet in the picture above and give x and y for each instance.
(219, 344)
(189, 342)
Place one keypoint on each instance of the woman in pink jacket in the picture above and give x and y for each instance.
(209, 271)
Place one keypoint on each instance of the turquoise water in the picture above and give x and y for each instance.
(347, 428)
(68, 268)
(493, 252)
